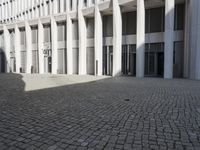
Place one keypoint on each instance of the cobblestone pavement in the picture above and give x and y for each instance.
(112, 113)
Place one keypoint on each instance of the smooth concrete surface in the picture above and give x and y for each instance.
(37, 82)
(169, 36)
(140, 40)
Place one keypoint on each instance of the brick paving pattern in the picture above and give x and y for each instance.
(113, 113)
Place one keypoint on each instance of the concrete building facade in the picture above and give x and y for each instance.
(101, 37)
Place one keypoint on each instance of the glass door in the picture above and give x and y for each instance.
(107, 60)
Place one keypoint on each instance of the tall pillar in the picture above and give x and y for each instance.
(98, 41)
(55, 6)
(194, 38)
(54, 46)
(169, 39)
(186, 41)
(2, 12)
(50, 6)
(17, 49)
(69, 45)
(61, 6)
(197, 74)
(82, 40)
(28, 47)
(41, 9)
(74, 4)
(67, 6)
(1, 15)
(117, 39)
(6, 10)
(45, 9)
(41, 46)
(140, 41)
(7, 48)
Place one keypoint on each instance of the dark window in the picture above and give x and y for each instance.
(107, 26)
(61, 34)
(155, 20)
(129, 23)
(90, 27)
(179, 17)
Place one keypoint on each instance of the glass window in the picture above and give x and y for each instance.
(22, 37)
(47, 33)
(156, 20)
(129, 23)
(108, 26)
(58, 6)
(75, 35)
(179, 17)
(61, 31)
(34, 35)
(90, 28)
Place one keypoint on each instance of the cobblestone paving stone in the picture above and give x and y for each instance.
(113, 113)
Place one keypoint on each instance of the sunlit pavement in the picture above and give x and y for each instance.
(58, 112)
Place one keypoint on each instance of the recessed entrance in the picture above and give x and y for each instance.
(47, 61)
(2, 62)
(154, 60)
(107, 60)
(129, 60)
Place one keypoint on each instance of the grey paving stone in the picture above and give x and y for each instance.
(160, 114)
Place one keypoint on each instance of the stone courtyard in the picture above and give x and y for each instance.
(49, 112)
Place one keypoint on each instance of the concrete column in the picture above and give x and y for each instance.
(41, 9)
(17, 49)
(89, 3)
(61, 6)
(140, 41)
(22, 5)
(69, 45)
(7, 48)
(16, 9)
(41, 46)
(9, 10)
(98, 41)
(33, 13)
(55, 6)
(12, 8)
(28, 47)
(45, 9)
(117, 38)
(54, 46)
(19, 7)
(194, 38)
(50, 6)
(67, 6)
(197, 74)
(25, 5)
(6, 10)
(186, 41)
(169, 39)
(3, 11)
(82, 40)
(74, 4)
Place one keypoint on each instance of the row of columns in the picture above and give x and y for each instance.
(10, 9)
(168, 39)
(117, 41)
(192, 38)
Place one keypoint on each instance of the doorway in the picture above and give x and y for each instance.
(129, 60)
(154, 60)
(2, 62)
(108, 60)
(47, 61)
